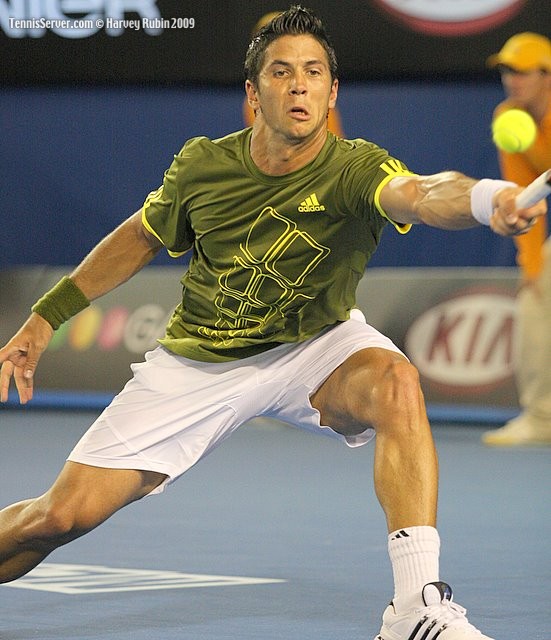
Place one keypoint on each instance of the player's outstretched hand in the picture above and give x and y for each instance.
(510, 220)
(20, 356)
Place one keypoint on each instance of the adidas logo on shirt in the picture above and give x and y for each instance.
(310, 204)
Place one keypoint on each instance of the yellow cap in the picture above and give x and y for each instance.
(524, 52)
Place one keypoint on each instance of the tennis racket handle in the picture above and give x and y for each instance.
(535, 191)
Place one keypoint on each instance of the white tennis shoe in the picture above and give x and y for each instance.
(523, 431)
(439, 619)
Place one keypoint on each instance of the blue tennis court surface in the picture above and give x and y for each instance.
(277, 534)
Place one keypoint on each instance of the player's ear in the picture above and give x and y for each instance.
(252, 97)
(333, 94)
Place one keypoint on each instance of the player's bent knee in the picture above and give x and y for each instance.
(399, 383)
(405, 378)
(397, 400)
(56, 523)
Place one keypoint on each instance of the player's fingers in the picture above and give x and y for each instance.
(536, 211)
(6, 372)
(24, 385)
(11, 357)
(5, 353)
(31, 362)
(505, 212)
(19, 363)
(510, 223)
(501, 225)
(524, 227)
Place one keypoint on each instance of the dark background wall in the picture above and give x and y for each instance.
(375, 39)
(77, 161)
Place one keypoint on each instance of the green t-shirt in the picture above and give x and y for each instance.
(276, 259)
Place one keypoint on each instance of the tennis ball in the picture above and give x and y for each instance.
(514, 131)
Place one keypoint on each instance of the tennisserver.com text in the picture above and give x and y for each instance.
(109, 24)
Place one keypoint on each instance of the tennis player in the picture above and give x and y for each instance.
(281, 220)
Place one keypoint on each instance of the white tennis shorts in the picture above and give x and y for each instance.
(174, 411)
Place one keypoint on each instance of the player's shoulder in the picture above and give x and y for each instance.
(351, 145)
(351, 150)
(200, 146)
(357, 152)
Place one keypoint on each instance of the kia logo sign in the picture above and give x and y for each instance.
(465, 344)
(451, 17)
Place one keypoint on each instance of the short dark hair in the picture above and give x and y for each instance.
(295, 21)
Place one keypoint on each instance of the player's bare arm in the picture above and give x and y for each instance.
(116, 258)
(113, 261)
(443, 200)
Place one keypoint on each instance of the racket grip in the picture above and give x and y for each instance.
(537, 190)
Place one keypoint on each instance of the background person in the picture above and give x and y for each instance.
(524, 63)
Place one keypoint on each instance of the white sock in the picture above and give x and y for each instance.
(414, 553)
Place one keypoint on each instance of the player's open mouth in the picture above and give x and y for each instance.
(299, 113)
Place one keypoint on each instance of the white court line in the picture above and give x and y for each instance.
(75, 579)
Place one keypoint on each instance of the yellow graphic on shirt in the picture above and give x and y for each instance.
(394, 167)
(272, 265)
(311, 204)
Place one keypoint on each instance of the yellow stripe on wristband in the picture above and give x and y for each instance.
(61, 302)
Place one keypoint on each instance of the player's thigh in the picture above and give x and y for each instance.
(361, 389)
(84, 496)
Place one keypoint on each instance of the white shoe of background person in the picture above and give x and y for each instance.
(523, 431)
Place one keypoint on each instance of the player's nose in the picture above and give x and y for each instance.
(297, 84)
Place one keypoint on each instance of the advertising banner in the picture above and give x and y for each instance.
(456, 325)
(178, 41)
